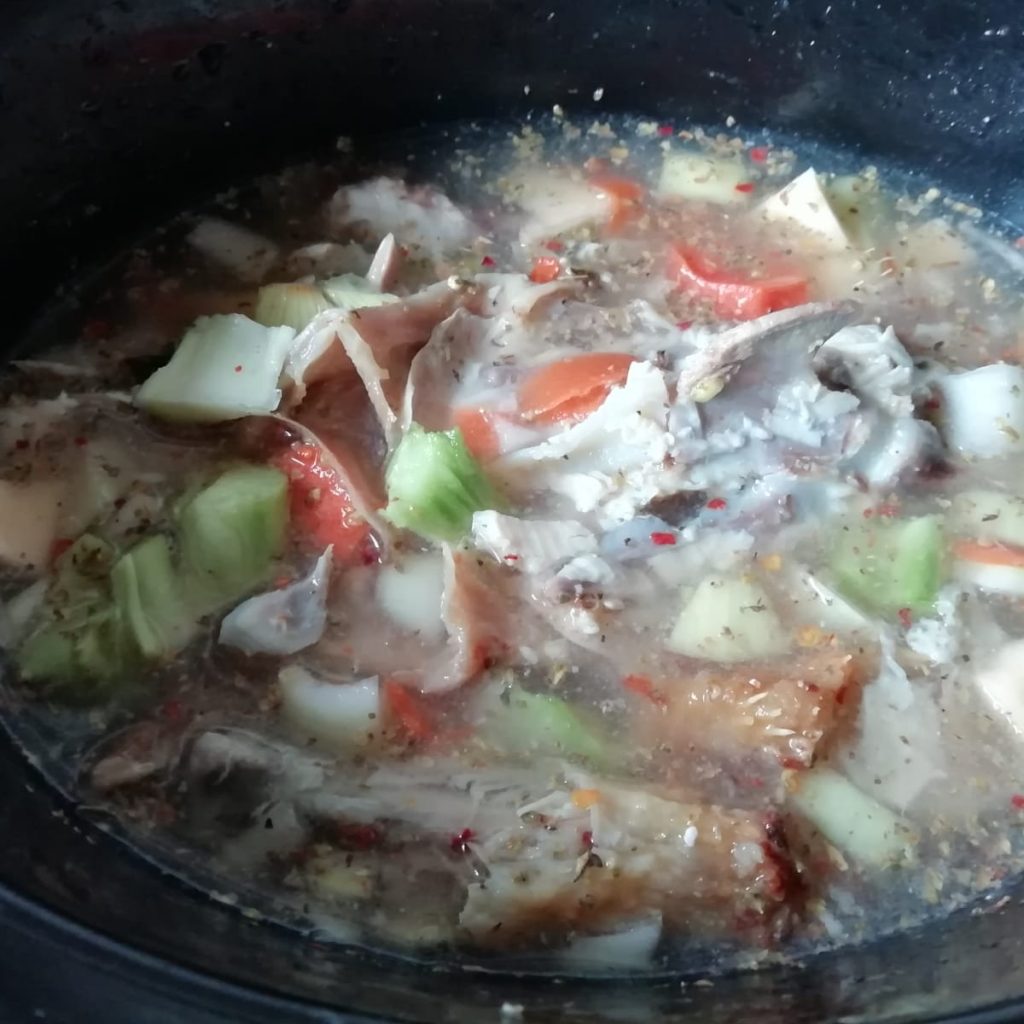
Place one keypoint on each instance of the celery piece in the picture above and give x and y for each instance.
(230, 532)
(434, 485)
(350, 291)
(148, 595)
(728, 619)
(226, 367)
(80, 638)
(888, 564)
(289, 305)
(47, 654)
(89, 558)
(105, 649)
(521, 722)
(856, 823)
(102, 615)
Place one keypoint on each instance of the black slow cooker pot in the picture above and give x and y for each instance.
(115, 115)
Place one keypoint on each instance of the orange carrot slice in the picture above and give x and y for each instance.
(625, 197)
(545, 269)
(408, 711)
(989, 554)
(478, 431)
(732, 295)
(321, 510)
(584, 798)
(571, 389)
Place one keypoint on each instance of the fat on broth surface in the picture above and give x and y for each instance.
(697, 645)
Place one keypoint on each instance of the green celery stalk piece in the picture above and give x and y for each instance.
(536, 723)
(148, 595)
(350, 291)
(230, 533)
(289, 305)
(886, 565)
(435, 485)
(225, 367)
(48, 654)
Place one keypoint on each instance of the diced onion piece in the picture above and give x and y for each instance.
(849, 819)
(339, 715)
(247, 255)
(858, 205)
(630, 947)
(708, 179)
(1002, 683)
(411, 592)
(226, 367)
(998, 579)
(556, 203)
(289, 305)
(322, 259)
(825, 607)
(728, 619)
(983, 410)
(988, 515)
(803, 202)
(530, 545)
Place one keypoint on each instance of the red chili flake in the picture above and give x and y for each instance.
(868, 513)
(717, 504)
(904, 617)
(933, 403)
(511, 558)
(587, 839)
(759, 154)
(1018, 801)
(460, 842)
(487, 261)
(21, 444)
(360, 837)
(793, 763)
(172, 710)
(812, 687)
(369, 553)
(684, 325)
(59, 546)
(643, 686)
(889, 510)
(238, 368)
(81, 442)
(554, 245)
(745, 186)
(665, 130)
(662, 537)
(96, 330)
